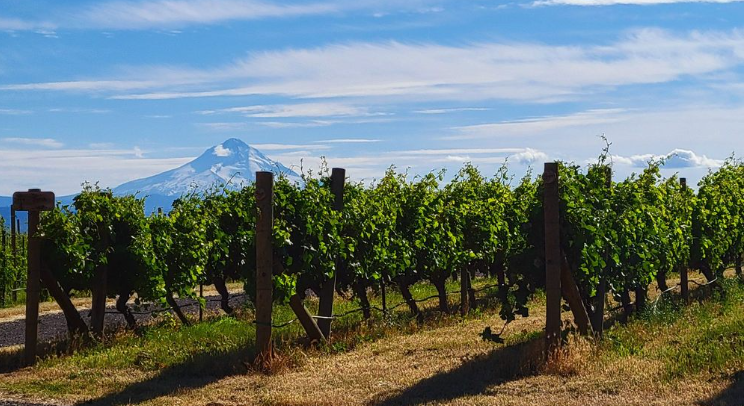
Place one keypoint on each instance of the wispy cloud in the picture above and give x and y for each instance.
(37, 142)
(286, 124)
(79, 110)
(87, 85)
(504, 71)
(296, 110)
(348, 141)
(539, 124)
(452, 110)
(168, 15)
(285, 147)
(14, 112)
(626, 2)
(176, 13)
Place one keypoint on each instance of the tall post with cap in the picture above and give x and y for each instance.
(33, 201)
(264, 265)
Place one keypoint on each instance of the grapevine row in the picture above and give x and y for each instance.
(616, 237)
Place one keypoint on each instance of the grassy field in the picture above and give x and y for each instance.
(669, 355)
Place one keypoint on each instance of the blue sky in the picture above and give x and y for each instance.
(110, 91)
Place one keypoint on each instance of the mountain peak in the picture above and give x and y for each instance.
(232, 162)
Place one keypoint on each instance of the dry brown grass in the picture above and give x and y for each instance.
(442, 365)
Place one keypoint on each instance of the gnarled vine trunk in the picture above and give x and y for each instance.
(176, 309)
(640, 294)
(661, 281)
(360, 290)
(121, 307)
(403, 285)
(219, 284)
(439, 283)
(627, 305)
(75, 323)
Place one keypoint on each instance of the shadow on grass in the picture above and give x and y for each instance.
(198, 372)
(473, 377)
(731, 396)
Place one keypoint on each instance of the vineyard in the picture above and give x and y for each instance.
(330, 235)
(12, 264)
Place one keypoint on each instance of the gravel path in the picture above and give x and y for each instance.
(53, 326)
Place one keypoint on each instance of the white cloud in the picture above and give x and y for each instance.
(626, 2)
(37, 142)
(284, 124)
(16, 24)
(529, 156)
(172, 13)
(509, 71)
(14, 112)
(539, 124)
(63, 170)
(296, 110)
(219, 150)
(79, 110)
(167, 15)
(348, 141)
(453, 110)
(283, 147)
(87, 85)
(677, 159)
(453, 151)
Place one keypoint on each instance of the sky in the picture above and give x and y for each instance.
(111, 91)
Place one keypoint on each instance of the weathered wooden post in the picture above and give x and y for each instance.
(684, 284)
(33, 202)
(325, 305)
(264, 265)
(552, 258)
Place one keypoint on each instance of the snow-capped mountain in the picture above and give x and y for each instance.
(233, 161)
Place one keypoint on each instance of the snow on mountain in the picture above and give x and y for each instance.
(233, 161)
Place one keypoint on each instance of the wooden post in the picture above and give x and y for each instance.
(325, 305)
(552, 258)
(264, 259)
(32, 201)
(684, 284)
(13, 230)
(33, 289)
(306, 319)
